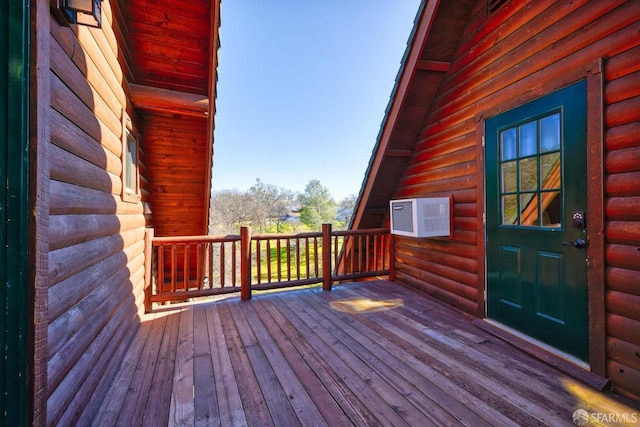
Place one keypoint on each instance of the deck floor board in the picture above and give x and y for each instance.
(371, 353)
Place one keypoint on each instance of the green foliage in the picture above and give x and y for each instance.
(318, 207)
(270, 209)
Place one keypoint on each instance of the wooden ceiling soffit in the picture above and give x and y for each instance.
(398, 153)
(439, 66)
(168, 101)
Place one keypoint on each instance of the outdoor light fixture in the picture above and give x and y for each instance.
(81, 12)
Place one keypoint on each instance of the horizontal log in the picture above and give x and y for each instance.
(465, 223)
(105, 57)
(485, 38)
(67, 135)
(622, 208)
(65, 326)
(65, 294)
(73, 199)
(72, 169)
(625, 160)
(623, 304)
(621, 137)
(622, 184)
(168, 101)
(623, 280)
(623, 256)
(71, 260)
(452, 261)
(523, 69)
(82, 408)
(449, 298)
(446, 186)
(625, 377)
(469, 210)
(421, 247)
(116, 316)
(462, 155)
(68, 230)
(465, 169)
(68, 104)
(623, 232)
(622, 64)
(622, 88)
(621, 113)
(623, 352)
(92, 108)
(623, 328)
(455, 274)
(89, 85)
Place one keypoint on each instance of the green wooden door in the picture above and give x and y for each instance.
(535, 183)
(14, 199)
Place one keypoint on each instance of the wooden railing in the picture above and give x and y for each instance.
(179, 268)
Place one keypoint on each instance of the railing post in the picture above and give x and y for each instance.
(392, 257)
(245, 263)
(326, 257)
(148, 255)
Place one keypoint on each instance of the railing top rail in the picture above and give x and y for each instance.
(360, 232)
(268, 236)
(274, 236)
(196, 239)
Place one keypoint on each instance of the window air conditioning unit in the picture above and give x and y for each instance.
(425, 217)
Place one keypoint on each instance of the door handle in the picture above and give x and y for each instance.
(578, 243)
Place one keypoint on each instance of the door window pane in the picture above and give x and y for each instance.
(551, 209)
(528, 139)
(529, 209)
(509, 177)
(510, 209)
(529, 174)
(550, 170)
(509, 144)
(550, 133)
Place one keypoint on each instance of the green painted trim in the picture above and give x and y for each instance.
(14, 210)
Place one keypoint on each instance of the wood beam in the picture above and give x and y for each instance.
(168, 101)
(424, 65)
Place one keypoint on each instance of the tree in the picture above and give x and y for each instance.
(271, 204)
(230, 210)
(318, 207)
(345, 209)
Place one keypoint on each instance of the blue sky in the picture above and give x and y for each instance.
(302, 90)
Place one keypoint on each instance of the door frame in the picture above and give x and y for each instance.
(16, 327)
(593, 73)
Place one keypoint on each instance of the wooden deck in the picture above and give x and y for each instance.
(369, 353)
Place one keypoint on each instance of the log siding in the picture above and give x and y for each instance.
(523, 51)
(96, 243)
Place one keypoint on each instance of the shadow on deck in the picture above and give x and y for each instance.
(370, 353)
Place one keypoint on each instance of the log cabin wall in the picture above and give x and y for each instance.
(177, 163)
(506, 57)
(96, 240)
